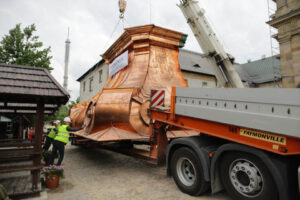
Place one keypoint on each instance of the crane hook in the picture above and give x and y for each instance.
(122, 8)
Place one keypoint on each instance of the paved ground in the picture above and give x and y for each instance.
(104, 175)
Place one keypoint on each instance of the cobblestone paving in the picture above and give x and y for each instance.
(104, 175)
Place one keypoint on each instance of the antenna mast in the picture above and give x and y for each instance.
(67, 55)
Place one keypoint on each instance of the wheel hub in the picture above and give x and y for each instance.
(186, 171)
(246, 178)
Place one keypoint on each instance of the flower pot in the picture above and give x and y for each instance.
(52, 181)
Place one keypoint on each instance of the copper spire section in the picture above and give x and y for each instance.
(119, 110)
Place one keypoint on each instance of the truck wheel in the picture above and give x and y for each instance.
(187, 172)
(246, 177)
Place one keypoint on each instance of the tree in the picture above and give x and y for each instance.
(62, 112)
(72, 103)
(22, 47)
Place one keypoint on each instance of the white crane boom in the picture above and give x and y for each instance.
(225, 72)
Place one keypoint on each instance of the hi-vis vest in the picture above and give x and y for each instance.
(52, 133)
(63, 134)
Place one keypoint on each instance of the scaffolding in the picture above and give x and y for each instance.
(274, 45)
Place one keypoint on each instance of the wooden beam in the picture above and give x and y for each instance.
(15, 98)
(10, 140)
(14, 112)
(24, 108)
(18, 153)
(39, 120)
(19, 144)
(7, 169)
(14, 160)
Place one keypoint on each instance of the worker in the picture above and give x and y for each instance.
(51, 135)
(30, 135)
(61, 139)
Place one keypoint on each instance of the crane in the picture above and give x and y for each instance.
(224, 64)
(122, 8)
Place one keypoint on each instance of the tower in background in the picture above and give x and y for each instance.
(287, 20)
(67, 55)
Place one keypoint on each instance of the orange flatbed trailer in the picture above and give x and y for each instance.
(249, 141)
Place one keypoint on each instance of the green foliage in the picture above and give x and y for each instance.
(22, 47)
(62, 112)
(70, 105)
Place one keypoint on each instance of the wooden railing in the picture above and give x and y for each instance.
(13, 152)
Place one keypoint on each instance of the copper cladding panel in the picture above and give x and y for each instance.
(132, 76)
(136, 121)
(77, 114)
(119, 111)
(112, 134)
(113, 106)
(163, 73)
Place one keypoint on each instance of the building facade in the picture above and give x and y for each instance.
(92, 81)
(196, 69)
(287, 21)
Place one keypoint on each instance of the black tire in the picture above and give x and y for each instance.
(237, 183)
(198, 185)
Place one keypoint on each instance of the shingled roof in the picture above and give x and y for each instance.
(24, 84)
(260, 71)
(195, 62)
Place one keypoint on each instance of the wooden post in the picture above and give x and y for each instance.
(21, 127)
(39, 123)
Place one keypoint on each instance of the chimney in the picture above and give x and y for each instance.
(67, 52)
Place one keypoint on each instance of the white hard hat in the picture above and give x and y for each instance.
(67, 119)
(57, 122)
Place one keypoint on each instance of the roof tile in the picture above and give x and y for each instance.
(16, 79)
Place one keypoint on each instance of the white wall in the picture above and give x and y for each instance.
(96, 84)
(198, 83)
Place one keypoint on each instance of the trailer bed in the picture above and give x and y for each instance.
(274, 110)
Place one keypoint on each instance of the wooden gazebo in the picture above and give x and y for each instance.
(26, 91)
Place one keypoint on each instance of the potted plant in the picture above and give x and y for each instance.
(52, 174)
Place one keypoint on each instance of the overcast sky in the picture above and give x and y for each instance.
(240, 25)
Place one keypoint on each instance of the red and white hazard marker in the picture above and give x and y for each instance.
(157, 97)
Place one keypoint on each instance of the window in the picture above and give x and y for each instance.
(100, 76)
(91, 83)
(83, 86)
(204, 84)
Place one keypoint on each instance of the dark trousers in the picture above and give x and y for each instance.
(60, 146)
(48, 143)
